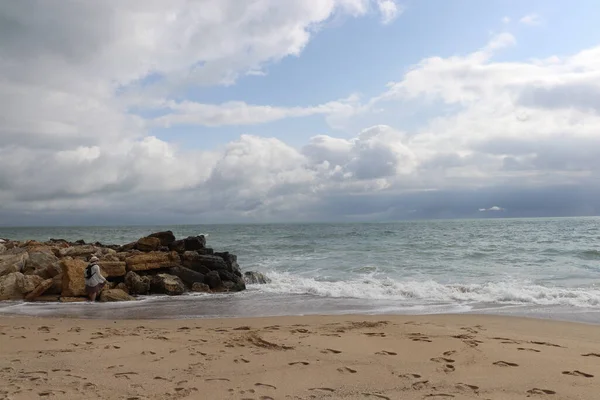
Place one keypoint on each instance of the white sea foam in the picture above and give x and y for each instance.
(429, 291)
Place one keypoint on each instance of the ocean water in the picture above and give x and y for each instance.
(534, 267)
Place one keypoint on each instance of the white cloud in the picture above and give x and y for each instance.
(506, 20)
(531, 19)
(389, 10)
(492, 209)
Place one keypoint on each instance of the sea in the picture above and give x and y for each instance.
(543, 268)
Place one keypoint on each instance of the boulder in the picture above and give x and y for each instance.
(201, 262)
(193, 261)
(10, 286)
(152, 260)
(73, 281)
(231, 261)
(105, 253)
(255, 278)
(200, 287)
(29, 283)
(137, 284)
(2, 248)
(213, 280)
(188, 276)
(167, 284)
(127, 247)
(69, 299)
(114, 295)
(10, 262)
(39, 289)
(147, 244)
(178, 246)
(42, 263)
(166, 237)
(194, 242)
(238, 283)
(111, 257)
(56, 287)
(112, 268)
(122, 256)
(47, 298)
(122, 286)
(83, 251)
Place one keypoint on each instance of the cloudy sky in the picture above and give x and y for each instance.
(193, 111)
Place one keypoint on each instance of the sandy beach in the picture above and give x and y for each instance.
(317, 357)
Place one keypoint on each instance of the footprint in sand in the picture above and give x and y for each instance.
(299, 362)
(449, 353)
(439, 396)
(323, 389)
(505, 364)
(578, 373)
(528, 349)
(386, 353)
(242, 328)
(410, 376)
(379, 396)
(266, 398)
(346, 369)
(467, 387)
(265, 385)
(442, 360)
(374, 334)
(44, 329)
(420, 385)
(540, 391)
(547, 344)
(331, 351)
(591, 355)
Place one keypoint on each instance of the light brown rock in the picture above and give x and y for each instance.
(200, 287)
(112, 268)
(47, 298)
(148, 244)
(114, 295)
(39, 290)
(10, 263)
(29, 283)
(73, 281)
(56, 287)
(10, 286)
(122, 286)
(43, 263)
(152, 260)
(78, 251)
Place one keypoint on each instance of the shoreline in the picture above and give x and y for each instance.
(442, 356)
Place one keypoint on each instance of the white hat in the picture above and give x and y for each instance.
(93, 259)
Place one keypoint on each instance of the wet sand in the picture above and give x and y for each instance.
(314, 357)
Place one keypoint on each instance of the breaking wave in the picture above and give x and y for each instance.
(375, 288)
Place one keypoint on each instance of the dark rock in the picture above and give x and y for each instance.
(238, 283)
(137, 284)
(127, 247)
(167, 284)
(80, 241)
(254, 278)
(148, 244)
(164, 249)
(178, 246)
(213, 263)
(194, 261)
(231, 261)
(195, 242)
(200, 287)
(166, 237)
(213, 280)
(188, 276)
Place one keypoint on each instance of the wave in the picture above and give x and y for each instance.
(589, 255)
(370, 287)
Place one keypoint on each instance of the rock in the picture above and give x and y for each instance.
(166, 237)
(111, 257)
(188, 276)
(10, 262)
(47, 298)
(10, 286)
(2, 248)
(122, 256)
(178, 246)
(194, 242)
(137, 284)
(122, 286)
(78, 251)
(255, 278)
(238, 283)
(231, 261)
(69, 299)
(213, 280)
(114, 295)
(56, 287)
(200, 287)
(73, 281)
(152, 260)
(193, 261)
(42, 263)
(112, 268)
(148, 244)
(105, 253)
(213, 263)
(167, 284)
(29, 283)
(80, 242)
(39, 289)
(127, 247)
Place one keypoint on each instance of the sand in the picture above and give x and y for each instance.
(316, 357)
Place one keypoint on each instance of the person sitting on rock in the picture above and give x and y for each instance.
(94, 281)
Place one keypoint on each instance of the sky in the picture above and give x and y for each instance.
(226, 111)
